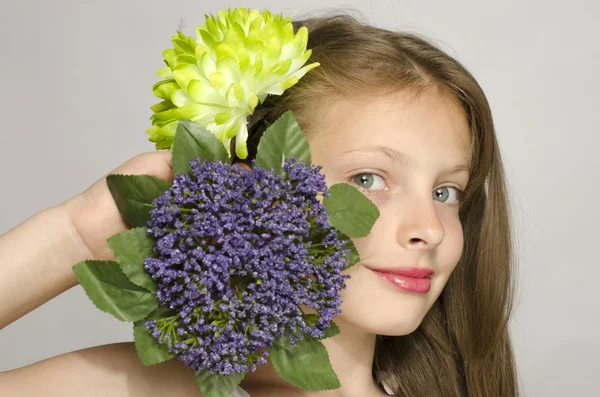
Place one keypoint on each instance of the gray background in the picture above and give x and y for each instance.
(76, 78)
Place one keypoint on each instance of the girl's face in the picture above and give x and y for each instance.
(399, 150)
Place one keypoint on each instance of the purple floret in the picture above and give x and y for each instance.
(237, 251)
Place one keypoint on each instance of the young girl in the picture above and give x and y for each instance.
(408, 125)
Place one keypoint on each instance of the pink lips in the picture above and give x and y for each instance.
(409, 279)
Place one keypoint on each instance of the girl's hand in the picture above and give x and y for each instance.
(94, 214)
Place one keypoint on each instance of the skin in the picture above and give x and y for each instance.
(416, 228)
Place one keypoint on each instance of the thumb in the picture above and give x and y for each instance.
(157, 163)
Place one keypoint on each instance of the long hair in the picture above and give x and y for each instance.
(462, 347)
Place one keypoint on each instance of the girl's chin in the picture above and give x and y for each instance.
(379, 326)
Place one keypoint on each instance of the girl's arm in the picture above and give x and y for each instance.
(35, 266)
(36, 258)
(111, 370)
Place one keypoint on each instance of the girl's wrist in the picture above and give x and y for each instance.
(77, 250)
(37, 258)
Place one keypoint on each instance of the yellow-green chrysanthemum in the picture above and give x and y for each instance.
(239, 57)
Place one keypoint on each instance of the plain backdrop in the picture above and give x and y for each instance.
(75, 80)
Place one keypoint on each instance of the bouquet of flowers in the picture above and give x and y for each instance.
(217, 264)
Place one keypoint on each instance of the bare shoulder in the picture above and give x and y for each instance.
(110, 370)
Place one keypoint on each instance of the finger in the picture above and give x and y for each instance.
(156, 163)
(160, 164)
(242, 166)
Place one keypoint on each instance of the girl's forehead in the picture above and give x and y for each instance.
(429, 122)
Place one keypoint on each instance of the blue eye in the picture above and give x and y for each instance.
(369, 181)
(441, 192)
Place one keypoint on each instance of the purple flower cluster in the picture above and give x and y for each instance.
(237, 252)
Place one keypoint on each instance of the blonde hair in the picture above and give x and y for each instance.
(462, 347)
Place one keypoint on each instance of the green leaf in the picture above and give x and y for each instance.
(282, 140)
(134, 194)
(160, 313)
(194, 141)
(333, 329)
(353, 257)
(305, 365)
(149, 350)
(311, 318)
(109, 289)
(350, 211)
(215, 385)
(130, 248)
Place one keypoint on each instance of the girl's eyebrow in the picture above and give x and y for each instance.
(404, 158)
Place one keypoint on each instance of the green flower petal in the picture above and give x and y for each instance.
(181, 98)
(170, 56)
(164, 89)
(186, 59)
(280, 86)
(189, 111)
(165, 72)
(168, 130)
(183, 46)
(231, 128)
(252, 102)
(207, 64)
(243, 57)
(211, 26)
(207, 39)
(163, 136)
(186, 72)
(241, 150)
(167, 115)
(217, 79)
(206, 94)
(229, 68)
(225, 50)
(223, 117)
(162, 106)
(258, 64)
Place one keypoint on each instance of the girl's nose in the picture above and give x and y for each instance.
(418, 225)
